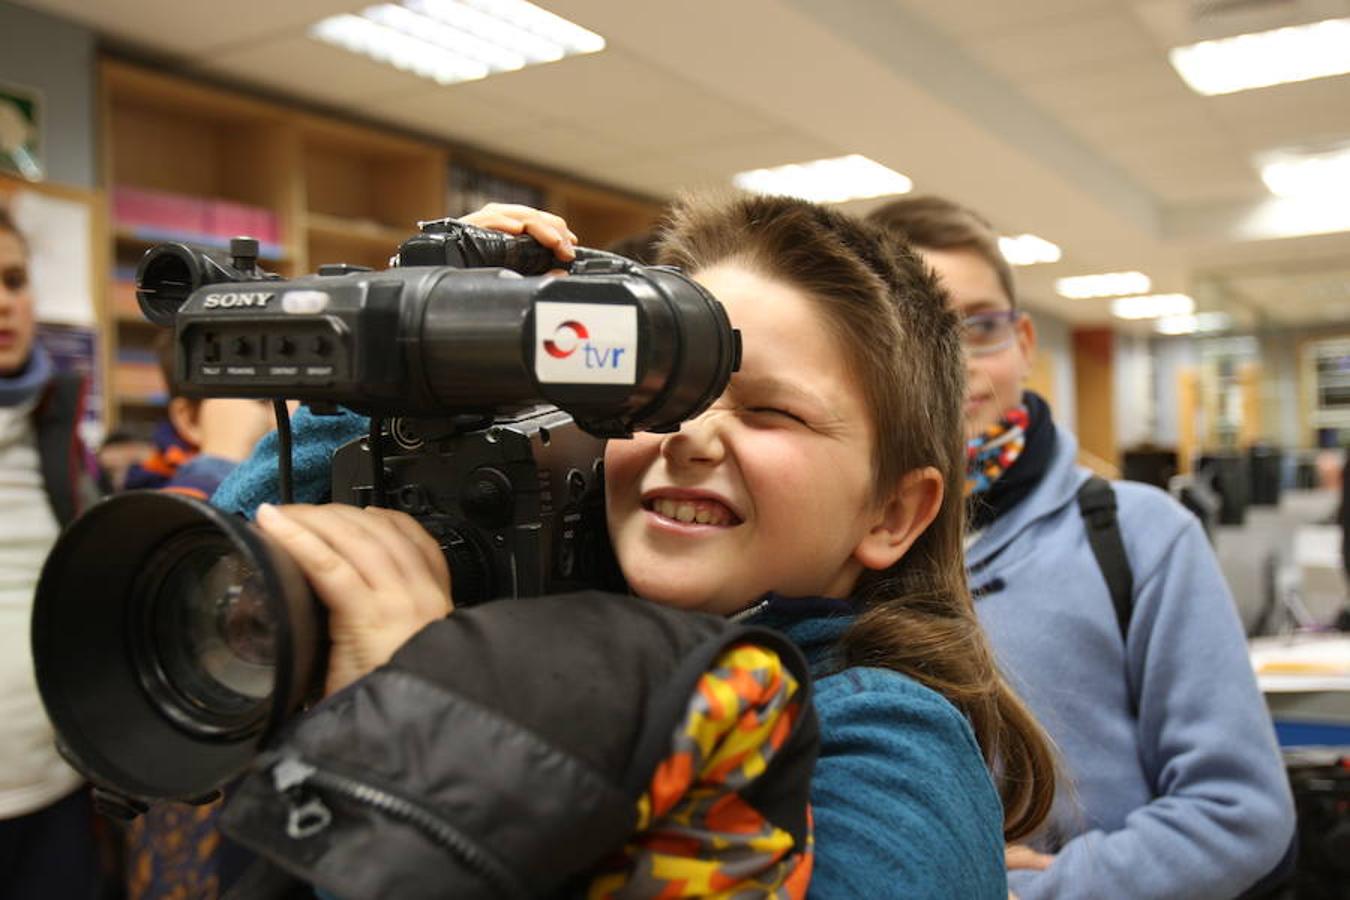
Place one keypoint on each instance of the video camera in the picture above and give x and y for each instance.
(172, 640)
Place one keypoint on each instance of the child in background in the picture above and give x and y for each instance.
(812, 497)
(1177, 786)
(47, 844)
(119, 451)
(176, 849)
(199, 441)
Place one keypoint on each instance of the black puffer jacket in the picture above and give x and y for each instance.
(502, 751)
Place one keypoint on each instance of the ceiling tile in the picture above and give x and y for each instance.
(973, 17)
(453, 113)
(1095, 87)
(1164, 121)
(195, 28)
(1063, 45)
(303, 67)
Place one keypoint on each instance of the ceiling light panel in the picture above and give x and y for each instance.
(1316, 175)
(1028, 250)
(1152, 306)
(450, 41)
(1266, 58)
(1107, 284)
(835, 180)
(1199, 323)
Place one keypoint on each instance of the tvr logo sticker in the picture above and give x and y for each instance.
(585, 343)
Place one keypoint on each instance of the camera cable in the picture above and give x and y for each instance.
(283, 416)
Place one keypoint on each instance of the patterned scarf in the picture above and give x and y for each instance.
(1005, 464)
(992, 453)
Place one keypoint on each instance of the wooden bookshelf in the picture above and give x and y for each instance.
(335, 191)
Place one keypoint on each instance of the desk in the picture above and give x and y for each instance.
(1306, 682)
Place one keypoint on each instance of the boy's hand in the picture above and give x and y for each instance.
(382, 577)
(546, 228)
(1020, 856)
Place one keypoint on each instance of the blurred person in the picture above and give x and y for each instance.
(47, 844)
(1135, 659)
(116, 455)
(175, 849)
(199, 441)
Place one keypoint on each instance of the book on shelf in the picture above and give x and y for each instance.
(155, 216)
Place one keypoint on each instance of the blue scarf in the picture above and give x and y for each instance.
(29, 381)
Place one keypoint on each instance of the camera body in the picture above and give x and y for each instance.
(498, 377)
(517, 505)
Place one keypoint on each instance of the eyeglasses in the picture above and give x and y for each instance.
(989, 332)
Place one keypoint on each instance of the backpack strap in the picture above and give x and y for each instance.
(1097, 503)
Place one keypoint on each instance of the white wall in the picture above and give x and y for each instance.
(1279, 389)
(1055, 341)
(1134, 406)
(1170, 355)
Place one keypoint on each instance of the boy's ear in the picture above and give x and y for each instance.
(905, 515)
(1026, 341)
(185, 416)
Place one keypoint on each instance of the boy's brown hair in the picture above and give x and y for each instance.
(888, 314)
(936, 223)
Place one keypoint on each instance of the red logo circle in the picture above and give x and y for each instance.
(572, 334)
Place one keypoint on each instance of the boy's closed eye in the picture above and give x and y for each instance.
(776, 412)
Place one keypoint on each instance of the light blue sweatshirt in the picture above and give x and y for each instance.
(1177, 785)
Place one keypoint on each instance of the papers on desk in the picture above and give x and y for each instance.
(1304, 662)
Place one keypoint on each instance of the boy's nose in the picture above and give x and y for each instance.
(698, 442)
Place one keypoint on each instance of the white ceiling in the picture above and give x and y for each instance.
(1058, 117)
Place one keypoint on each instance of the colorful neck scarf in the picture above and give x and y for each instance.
(992, 453)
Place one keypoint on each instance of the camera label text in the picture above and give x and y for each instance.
(585, 343)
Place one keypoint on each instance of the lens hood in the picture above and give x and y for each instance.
(111, 628)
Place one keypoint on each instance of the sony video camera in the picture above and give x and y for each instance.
(171, 640)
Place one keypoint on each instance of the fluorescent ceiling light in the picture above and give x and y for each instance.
(1265, 58)
(1152, 306)
(1200, 323)
(851, 177)
(1028, 250)
(450, 41)
(1108, 284)
(1316, 175)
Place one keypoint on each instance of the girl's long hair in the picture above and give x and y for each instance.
(902, 343)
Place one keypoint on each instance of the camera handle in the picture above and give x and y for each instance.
(450, 242)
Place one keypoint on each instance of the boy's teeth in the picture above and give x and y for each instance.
(703, 513)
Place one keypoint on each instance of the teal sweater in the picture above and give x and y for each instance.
(903, 803)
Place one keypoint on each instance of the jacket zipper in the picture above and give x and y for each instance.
(309, 816)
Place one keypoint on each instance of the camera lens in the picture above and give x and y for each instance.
(170, 640)
(207, 643)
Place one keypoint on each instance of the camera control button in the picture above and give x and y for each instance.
(303, 303)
